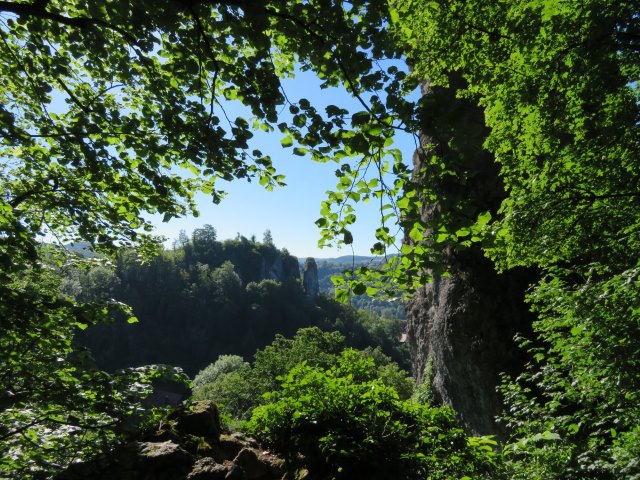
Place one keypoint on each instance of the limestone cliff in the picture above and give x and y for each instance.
(280, 267)
(463, 325)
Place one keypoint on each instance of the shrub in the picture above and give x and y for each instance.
(224, 364)
(234, 392)
(348, 424)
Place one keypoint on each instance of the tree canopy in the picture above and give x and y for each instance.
(113, 109)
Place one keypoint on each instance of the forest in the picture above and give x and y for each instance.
(205, 298)
(524, 188)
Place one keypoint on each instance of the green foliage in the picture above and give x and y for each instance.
(393, 376)
(223, 365)
(423, 392)
(112, 110)
(386, 333)
(194, 304)
(235, 392)
(239, 388)
(585, 378)
(557, 85)
(390, 372)
(310, 345)
(55, 405)
(330, 271)
(348, 424)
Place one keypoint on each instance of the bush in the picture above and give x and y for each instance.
(224, 364)
(348, 424)
(234, 393)
(390, 372)
(310, 345)
(237, 387)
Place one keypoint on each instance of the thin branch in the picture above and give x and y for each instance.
(210, 54)
(24, 427)
(38, 10)
(343, 69)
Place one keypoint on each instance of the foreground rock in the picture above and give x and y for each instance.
(189, 447)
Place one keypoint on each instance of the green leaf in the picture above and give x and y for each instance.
(358, 288)
(342, 295)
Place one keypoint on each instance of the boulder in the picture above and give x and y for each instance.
(227, 457)
(208, 469)
(133, 461)
(201, 419)
(253, 465)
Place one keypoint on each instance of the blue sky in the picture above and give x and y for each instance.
(289, 212)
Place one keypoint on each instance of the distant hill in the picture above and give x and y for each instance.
(206, 298)
(81, 248)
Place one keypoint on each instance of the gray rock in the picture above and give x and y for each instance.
(201, 419)
(161, 455)
(290, 268)
(464, 324)
(135, 461)
(207, 469)
(231, 445)
(281, 268)
(236, 472)
(310, 278)
(272, 268)
(254, 467)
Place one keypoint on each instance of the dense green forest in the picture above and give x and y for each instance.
(206, 298)
(112, 110)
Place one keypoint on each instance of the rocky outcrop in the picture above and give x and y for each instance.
(189, 447)
(280, 268)
(290, 268)
(310, 278)
(461, 327)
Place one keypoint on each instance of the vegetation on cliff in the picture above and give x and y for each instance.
(558, 85)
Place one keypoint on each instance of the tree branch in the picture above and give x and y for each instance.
(38, 10)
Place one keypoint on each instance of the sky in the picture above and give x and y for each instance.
(288, 212)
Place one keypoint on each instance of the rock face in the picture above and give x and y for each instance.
(310, 278)
(192, 449)
(280, 268)
(462, 326)
(290, 268)
(202, 420)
